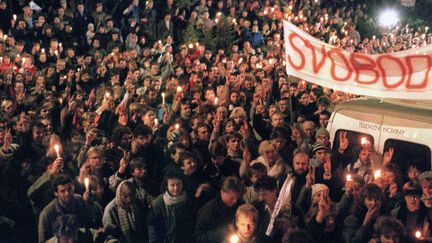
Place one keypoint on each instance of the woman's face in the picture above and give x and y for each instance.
(175, 187)
(371, 203)
(229, 127)
(234, 144)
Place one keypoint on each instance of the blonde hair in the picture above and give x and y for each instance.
(238, 111)
(248, 210)
(264, 146)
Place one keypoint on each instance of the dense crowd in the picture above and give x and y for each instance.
(114, 127)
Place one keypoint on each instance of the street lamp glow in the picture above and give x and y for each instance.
(389, 18)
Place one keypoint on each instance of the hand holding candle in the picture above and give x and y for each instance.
(349, 178)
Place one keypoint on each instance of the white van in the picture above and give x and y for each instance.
(403, 125)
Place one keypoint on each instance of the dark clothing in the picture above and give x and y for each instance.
(213, 221)
(173, 223)
(55, 209)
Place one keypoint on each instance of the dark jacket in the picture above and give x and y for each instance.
(173, 224)
(213, 221)
(54, 210)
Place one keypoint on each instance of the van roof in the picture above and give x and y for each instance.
(417, 110)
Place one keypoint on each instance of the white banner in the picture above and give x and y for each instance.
(401, 75)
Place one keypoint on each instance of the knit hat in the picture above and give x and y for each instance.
(317, 188)
(322, 131)
(426, 175)
(318, 146)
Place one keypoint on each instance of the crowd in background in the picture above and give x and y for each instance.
(115, 127)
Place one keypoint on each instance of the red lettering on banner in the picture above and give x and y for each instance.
(291, 36)
(333, 65)
(424, 82)
(384, 74)
(358, 67)
(317, 66)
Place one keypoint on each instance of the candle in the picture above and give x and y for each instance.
(190, 46)
(56, 52)
(418, 234)
(107, 95)
(5, 37)
(216, 100)
(197, 44)
(179, 89)
(159, 42)
(349, 177)
(156, 122)
(177, 126)
(86, 183)
(43, 50)
(15, 17)
(234, 239)
(426, 28)
(364, 141)
(377, 174)
(57, 150)
(217, 21)
(163, 98)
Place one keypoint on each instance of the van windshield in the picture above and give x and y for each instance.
(408, 153)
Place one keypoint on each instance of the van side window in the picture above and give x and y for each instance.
(356, 139)
(407, 153)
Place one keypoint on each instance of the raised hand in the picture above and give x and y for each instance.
(343, 142)
(388, 156)
(324, 205)
(310, 177)
(7, 140)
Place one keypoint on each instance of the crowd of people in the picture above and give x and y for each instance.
(114, 129)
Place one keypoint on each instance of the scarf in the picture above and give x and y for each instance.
(126, 216)
(283, 201)
(170, 200)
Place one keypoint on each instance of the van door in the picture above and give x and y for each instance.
(411, 139)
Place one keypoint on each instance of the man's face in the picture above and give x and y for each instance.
(308, 128)
(230, 198)
(175, 186)
(413, 202)
(38, 134)
(267, 196)
(203, 134)
(323, 119)
(189, 166)
(185, 111)
(64, 193)
(246, 226)
(300, 163)
(95, 161)
(277, 120)
(233, 144)
(364, 156)
(279, 143)
(320, 155)
(139, 172)
(143, 140)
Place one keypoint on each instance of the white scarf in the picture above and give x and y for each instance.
(283, 201)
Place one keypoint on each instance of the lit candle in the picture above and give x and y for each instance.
(217, 21)
(349, 177)
(377, 174)
(163, 98)
(418, 234)
(60, 44)
(87, 183)
(177, 126)
(15, 17)
(56, 52)
(57, 150)
(426, 28)
(5, 37)
(197, 44)
(156, 122)
(364, 141)
(234, 239)
(190, 46)
(216, 101)
(179, 89)
(159, 42)
(107, 95)
(43, 50)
